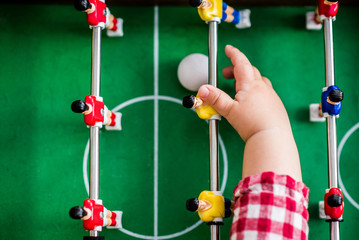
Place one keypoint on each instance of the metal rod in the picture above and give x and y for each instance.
(329, 51)
(331, 120)
(94, 131)
(332, 152)
(213, 54)
(214, 232)
(334, 231)
(213, 124)
(93, 233)
(94, 163)
(213, 136)
(96, 61)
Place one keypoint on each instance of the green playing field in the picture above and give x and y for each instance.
(161, 156)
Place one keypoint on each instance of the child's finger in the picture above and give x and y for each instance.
(228, 72)
(267, 81)
(243, 70)
(257, 74)
(216, 98)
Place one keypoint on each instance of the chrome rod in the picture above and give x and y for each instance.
(332, 152)
(214, 232)
(213, 124)
(329, 51)
(94, 162)
(96, 61)
(331, 120)
(334, 231)
(94, 130)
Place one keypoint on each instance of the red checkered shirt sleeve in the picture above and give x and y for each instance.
(269, 206)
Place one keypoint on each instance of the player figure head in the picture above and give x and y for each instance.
(192, 204)
(82, 5)
(195, 3)
(77, 212)
(79, 106)
(200, 3)
(334, 200)
(336, 96)
(189, 101)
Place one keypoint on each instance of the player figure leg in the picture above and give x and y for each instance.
(114, 121)
(239, 18)
(114, 26)
(116, 220)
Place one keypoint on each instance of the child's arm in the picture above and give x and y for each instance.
(258, 115)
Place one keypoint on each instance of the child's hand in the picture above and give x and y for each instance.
(258, 115)
(256, 107)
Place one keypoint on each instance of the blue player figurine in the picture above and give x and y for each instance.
(331, 104)
(332, 98)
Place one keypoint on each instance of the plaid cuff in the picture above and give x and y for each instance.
(269, 206)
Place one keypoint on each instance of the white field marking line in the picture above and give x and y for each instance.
(225, 164)
(340, 148)
(221, 144)
(155, 173)
(162, 237)
(84, 167)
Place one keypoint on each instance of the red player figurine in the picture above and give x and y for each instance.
(95, 216)
(334, 205)
(325, 9)
(96, 113)
(99, 15)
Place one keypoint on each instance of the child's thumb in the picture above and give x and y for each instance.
(216, 98)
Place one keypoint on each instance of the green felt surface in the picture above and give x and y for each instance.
(45, 64)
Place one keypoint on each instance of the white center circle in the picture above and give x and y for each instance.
(340, 148)
(221, 144)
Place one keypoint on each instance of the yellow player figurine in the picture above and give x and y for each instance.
(217, 10)
(210, 206)
(203, 110)
(208, 9)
